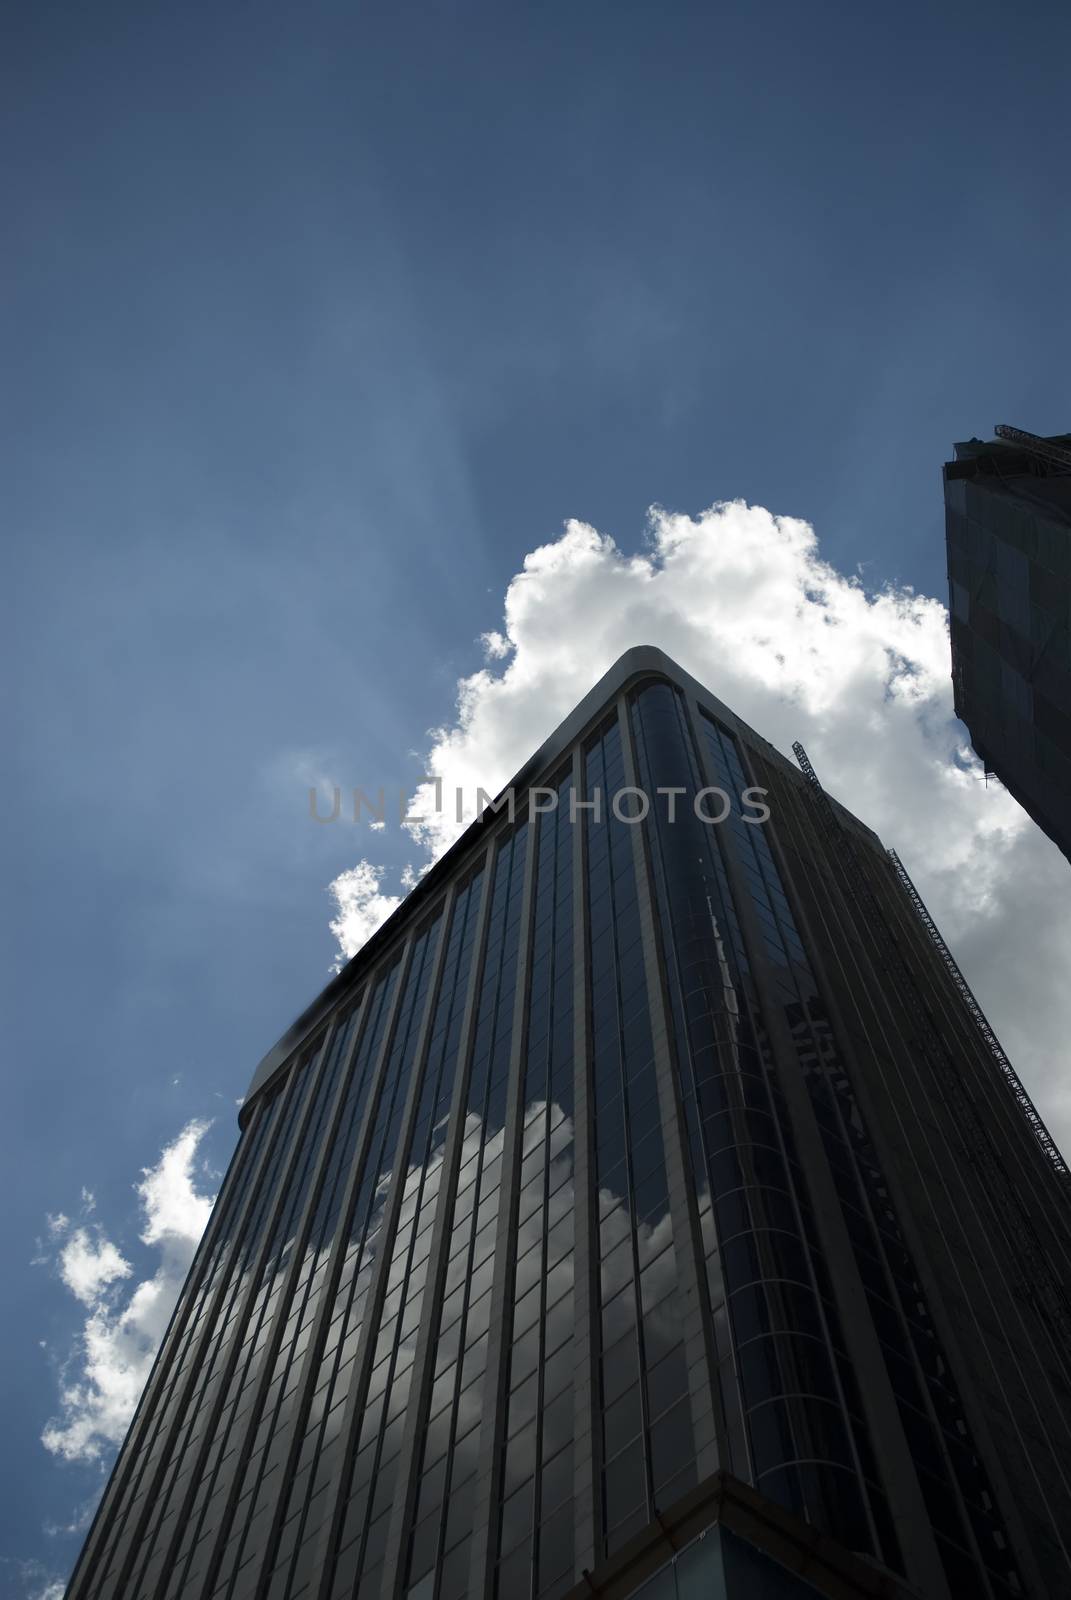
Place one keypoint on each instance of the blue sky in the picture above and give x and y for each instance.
(316, 321)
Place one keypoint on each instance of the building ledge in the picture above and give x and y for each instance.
(726, 1502)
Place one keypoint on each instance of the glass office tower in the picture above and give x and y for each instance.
(1008, 529)
(646, 1210)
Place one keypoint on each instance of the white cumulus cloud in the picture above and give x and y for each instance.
(102, 1379)
(743, 600)
(360, 908)
(88, 1265)
(30, 1580)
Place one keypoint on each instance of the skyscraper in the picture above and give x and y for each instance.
(646, 1209)
(1008, 528)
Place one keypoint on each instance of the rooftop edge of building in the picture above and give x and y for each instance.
(635, 664)
(1007, 467)
(975, 449)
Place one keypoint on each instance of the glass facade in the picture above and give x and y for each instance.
(1008, 532)
(647, 1454)
(784, 1375)
(533, 1539)
(529, 1233)
(438, 1539)
(952, 1479)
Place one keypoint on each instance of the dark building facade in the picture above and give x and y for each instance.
(1008, 530)
(647, 1209)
